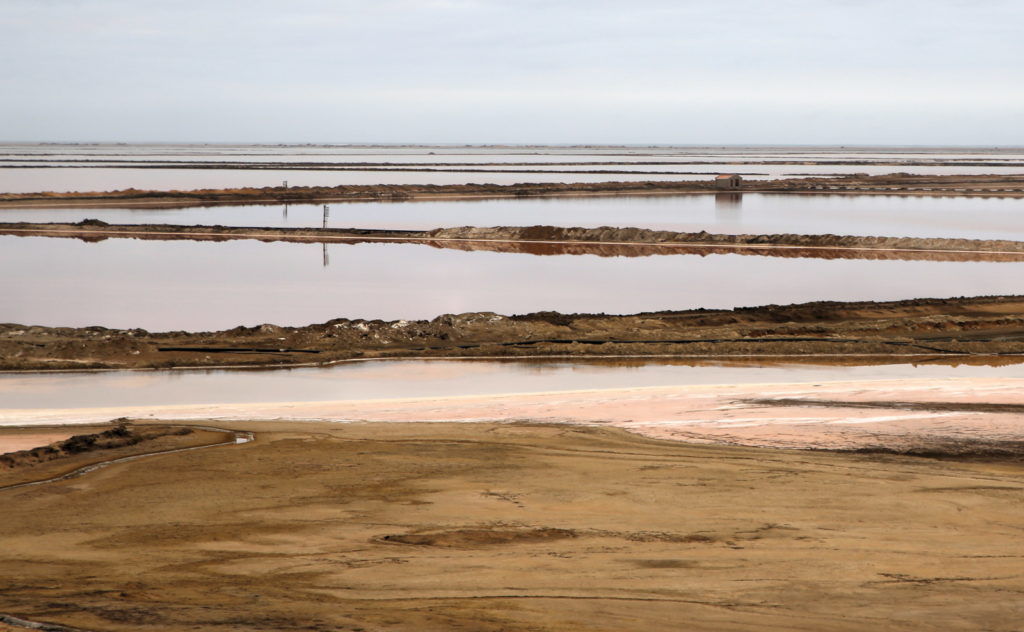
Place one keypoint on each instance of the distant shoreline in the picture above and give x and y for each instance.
(895, 184)
(979, 329)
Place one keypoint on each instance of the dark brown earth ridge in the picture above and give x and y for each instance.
(553, 240)
(80, 454)
(960, 328)
(121, 435)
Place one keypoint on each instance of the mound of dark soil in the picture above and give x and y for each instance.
(460, 538)
(121, 435)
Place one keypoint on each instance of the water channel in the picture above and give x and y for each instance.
(429, 378)
(753, 213)
(30, 168)
(173, 285)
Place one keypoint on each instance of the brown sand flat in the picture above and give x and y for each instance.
(480, 526)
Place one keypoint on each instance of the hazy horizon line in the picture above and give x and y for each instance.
(508, 144)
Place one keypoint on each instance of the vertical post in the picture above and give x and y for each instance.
(286, 184)
(286, 211)
(327, 213)
(326, 260)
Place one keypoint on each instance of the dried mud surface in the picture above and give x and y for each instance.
(892, 184)
(515, 527)
(960, 328)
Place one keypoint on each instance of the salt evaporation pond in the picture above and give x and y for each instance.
(754, 213)
(476, 154)
(425, 378)
(187, 285)
(29, 168)
(64, 179)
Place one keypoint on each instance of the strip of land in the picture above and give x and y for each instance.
(555, 240)
(90, 446)
(514, 527)
(892, 184)
(981, 329)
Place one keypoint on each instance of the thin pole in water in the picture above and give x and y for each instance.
(327, 213)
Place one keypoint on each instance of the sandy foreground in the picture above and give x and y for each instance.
(540, 511)
(515, 526)
(745, 414)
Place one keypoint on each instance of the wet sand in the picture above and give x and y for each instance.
(738, 414)
(553, 511)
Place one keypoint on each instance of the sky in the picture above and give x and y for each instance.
(844, 72)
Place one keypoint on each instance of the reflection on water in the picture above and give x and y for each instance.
(893, 216)
(727, 201)
(427, 378)
(199, 286)
(727, 207)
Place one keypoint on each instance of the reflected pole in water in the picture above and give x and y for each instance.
(285, 212)
(327, 212)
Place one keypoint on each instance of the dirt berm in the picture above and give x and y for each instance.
(120, 436)
(761, 244)
(962, 328)
(553, 240)
(856, 184)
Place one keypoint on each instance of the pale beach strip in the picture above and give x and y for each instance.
(705, 413)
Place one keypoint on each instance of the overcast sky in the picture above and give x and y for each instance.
(929, 72)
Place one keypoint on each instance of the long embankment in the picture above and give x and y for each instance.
(893, 184)
(554, 240)
(981, 329)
